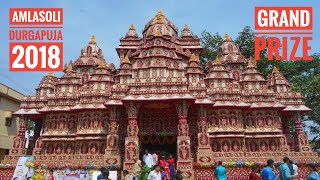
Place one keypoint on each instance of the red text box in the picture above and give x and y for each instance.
(278, 49)
(36, 16)
(283, 18)
(36, 56)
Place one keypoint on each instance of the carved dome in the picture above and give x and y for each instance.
(90, 54)
(186, 31)
(276, 78)
(160, 25)
(132, 33)
(228, 47)
(229, 52)
(47, 85)
(48, 81)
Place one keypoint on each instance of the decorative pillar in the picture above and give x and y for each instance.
(112, 155)
(37, 129)
(288, 138)
(301, 139)
(18, 144)
(132, 140)
(204, 152)
(37, 149)
(184, 159)
(283, 126)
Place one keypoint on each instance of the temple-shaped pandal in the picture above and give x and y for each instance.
(97, 114)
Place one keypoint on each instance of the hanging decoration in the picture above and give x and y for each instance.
(158, 139)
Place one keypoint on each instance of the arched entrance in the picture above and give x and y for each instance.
(162, 144)
(158, 128)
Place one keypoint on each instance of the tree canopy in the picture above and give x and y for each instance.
(304, 76)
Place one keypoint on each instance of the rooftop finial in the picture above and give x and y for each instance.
(132, 27)
(159, 16)
(160, 12)
(158, 32)
(50, 74)
(69, 68)
(186, 27)
(126, 59)
(186, 31)
(93, 40)
(217, 61)
(102, 64)
(275, 69)
(250, 63)
(132, 32)
(193, 57)
(227, 38)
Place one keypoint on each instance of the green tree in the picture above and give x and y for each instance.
(30, 125)
(245, 42)
(305, 78)
(211, 44)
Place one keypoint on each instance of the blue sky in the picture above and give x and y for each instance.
(110, 20)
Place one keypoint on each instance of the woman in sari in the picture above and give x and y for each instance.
(145, 170)
(163, 173)
(172, 166)
(163, 162)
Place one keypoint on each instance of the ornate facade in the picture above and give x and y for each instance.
(97, 114)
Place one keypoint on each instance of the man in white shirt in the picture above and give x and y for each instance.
(295, 169)
(155, 174)
(147, 158)
(155, 158)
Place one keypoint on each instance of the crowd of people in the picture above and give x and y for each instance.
(288, 171)
(154, 168)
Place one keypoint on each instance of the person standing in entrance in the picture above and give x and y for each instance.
(155, 174)
(172, 166)
(155, 158)
(145, 170)
(164, 175)
(163, 163)
(220, 172)
(147, 158)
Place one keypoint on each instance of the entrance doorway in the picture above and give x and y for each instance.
(164, 145)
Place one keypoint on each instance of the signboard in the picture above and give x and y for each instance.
(83, 175)
(71, 174)
(21, 170)
(59, 174)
